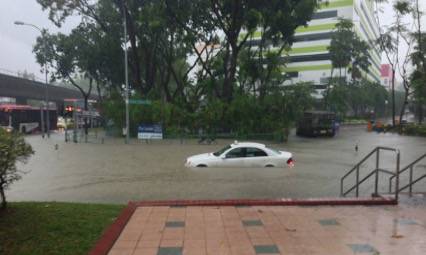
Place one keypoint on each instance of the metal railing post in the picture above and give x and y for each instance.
(397, 175)
(411, 181)
(357, 180)
(376, 183)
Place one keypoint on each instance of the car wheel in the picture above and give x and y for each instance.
(269, 165)
(201, 165)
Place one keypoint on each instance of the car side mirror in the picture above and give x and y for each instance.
(223, 156)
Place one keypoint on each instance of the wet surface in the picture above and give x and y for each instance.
(116, 173)
(342, 230)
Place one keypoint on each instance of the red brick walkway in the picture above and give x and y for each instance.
(238, 230)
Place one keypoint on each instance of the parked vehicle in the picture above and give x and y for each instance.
(317, 123)
(242, 155)
(25, 118)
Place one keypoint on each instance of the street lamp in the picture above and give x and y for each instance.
(126, 75)
(46, 91)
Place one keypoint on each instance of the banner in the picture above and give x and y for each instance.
(150, 131)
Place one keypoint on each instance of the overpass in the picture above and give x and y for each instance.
(23, 90)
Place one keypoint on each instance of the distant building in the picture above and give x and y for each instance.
(309, 58)
(386, 75)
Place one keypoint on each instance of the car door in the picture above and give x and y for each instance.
(233, 158)
(255, 157)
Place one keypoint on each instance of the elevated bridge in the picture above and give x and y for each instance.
(23, 90)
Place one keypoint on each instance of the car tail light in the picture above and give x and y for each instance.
(290, 163)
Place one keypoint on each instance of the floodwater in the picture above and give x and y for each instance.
(117, 173)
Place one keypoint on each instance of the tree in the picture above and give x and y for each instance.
(390, 38)
(341, 46)
(418, 57)
(348, 52)
(68, 60)
(402, 8)
(13, 149)
(238, 20)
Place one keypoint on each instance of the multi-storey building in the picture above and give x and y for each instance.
(386, 76)
(309, 58)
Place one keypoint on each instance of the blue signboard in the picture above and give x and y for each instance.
(150, 131)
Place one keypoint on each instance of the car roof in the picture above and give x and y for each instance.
(247, 144)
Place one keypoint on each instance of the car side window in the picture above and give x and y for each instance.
(236, 153)
(255, 152)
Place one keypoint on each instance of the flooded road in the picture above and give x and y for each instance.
(116, 173)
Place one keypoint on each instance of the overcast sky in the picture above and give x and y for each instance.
(16, 41)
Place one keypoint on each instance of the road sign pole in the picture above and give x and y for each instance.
(74, 114)
(42, 120)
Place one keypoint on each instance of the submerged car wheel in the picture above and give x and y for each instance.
(201, 165)
(269, 165)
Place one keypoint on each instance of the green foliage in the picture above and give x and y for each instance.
(13, 149)
(242, 116)
(348, 50)
(413, 129)
(357, 98)
(53, 228)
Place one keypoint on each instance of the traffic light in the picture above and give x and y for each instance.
(69, 110)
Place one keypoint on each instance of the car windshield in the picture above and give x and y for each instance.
(221, 151)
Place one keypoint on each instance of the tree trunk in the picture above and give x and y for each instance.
(3, 198)
(327, 91)
(229, 83)
(99, 93)
(393, 97)
(401, 114)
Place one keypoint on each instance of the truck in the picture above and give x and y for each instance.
(317, 123)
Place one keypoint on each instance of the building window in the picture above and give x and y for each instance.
(292, 74)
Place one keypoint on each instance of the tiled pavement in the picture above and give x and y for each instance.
(254, 230)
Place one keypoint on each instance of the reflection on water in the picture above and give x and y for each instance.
(116, 173)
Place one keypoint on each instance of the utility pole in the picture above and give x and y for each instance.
(46, 91)
(126, 74)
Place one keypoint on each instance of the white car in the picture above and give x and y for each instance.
(242, 155)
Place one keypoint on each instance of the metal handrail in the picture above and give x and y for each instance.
(411, 183)
(375, 171)
(368, 176)
(360, 163)
(359, 183)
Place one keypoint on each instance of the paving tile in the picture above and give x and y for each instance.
(266, 249)
(125, 244)
(362, 248)
(146, 251)
(407, 222)
(230, 230)
(328, 222)
(115, 251)
(173, 233)
(148, 243)
(171, 243)
(175, 224)
(249, 223)
(170, 251)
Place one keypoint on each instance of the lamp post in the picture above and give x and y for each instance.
(126, 75)
(46, 91)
